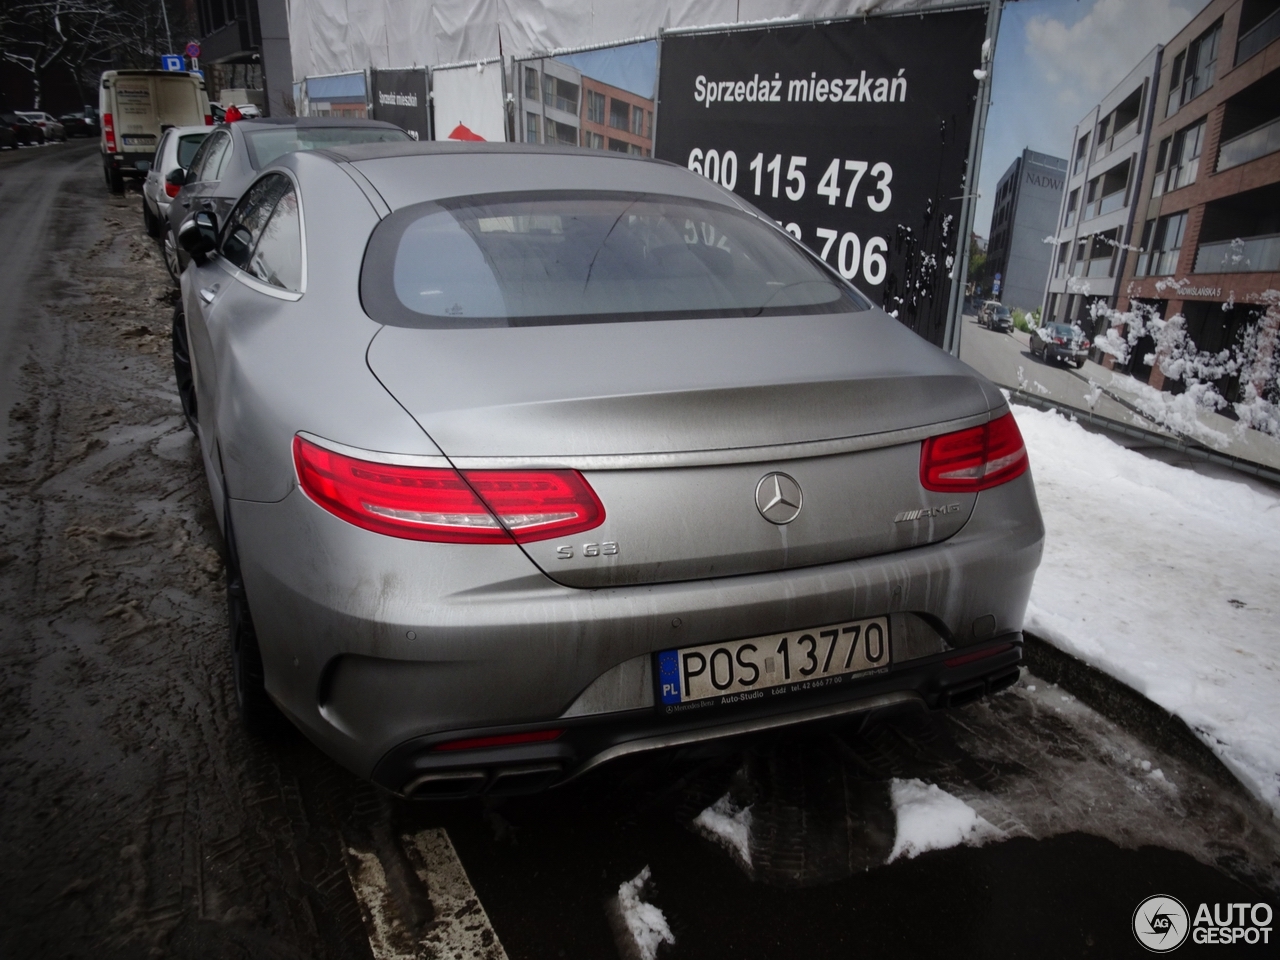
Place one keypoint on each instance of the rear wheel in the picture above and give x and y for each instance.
(115, 181)
(182, 367)
(257, 712)
(149, 220)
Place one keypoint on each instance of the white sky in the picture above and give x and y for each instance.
(1055, 59)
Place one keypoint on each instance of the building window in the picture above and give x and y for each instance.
(1073, 201)
(560, 94)
(530, 83)
(531, 128)
(1162, 245)
(619, 114)
(637, 122)
(1162, 164)
(593, 140)
(1061, 265)
(1184, 157)
(1082, 151)
(595, 107)
(619, 146)
(1193, 69)
(565, 134)
(1052, 314)
(648, 124)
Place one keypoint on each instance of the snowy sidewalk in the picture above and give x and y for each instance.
(1168, 581)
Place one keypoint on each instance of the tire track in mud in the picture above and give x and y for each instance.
(137, 818)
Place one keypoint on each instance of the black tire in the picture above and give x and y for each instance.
(258, 714)
(149, 220)
(169, 253)
(115, 181)
(182, 367)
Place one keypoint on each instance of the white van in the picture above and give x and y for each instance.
(137, 106)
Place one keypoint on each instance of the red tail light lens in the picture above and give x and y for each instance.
(208, 120)
(171, 190)
(443, 505)
(501, 740)
(975, 459)
(108, 127)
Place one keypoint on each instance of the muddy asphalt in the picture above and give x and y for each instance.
(137, 819)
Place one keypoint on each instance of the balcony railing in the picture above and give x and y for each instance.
(1241, 255)
(1108, 204)
(1099, 268)
(1117, 139)
(1157, 263)
(1258, 142)
(1258, 38)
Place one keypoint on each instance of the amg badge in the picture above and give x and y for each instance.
(920, 514)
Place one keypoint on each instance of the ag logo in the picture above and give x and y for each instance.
(1161, 923)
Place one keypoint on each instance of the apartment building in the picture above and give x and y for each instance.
(1028, 198)
(1210, 190)
(556, 104)
(1098, 214)
(616, 119)
(548, 102)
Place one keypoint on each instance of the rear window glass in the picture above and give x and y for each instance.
(187, 147)
(587, 257)
(266, 144)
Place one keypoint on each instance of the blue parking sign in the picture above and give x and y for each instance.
(171, 61)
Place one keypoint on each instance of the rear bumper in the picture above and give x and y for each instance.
(420, 769)
(378, 648)
(1055, 352)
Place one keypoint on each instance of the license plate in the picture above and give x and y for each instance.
(739, 671)
(147, 140)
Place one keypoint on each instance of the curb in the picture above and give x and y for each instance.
(1124, 706)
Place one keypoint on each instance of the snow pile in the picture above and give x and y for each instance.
(1167, 580)
(929, 818)
(728, 825)
(645, 924)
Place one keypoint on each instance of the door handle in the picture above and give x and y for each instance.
(208, 293)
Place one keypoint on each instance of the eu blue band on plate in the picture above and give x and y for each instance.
(669, 675)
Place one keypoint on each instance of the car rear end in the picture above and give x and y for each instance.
(1066, 343)
(136, 106)
(646, 526)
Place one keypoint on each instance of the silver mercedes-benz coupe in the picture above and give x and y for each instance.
(531, 458)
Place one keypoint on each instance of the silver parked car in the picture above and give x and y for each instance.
(230, 159)
(178, 145)
(531, 458)
(49, 126)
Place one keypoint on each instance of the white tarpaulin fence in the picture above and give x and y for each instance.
(336, 36)
(471, 96)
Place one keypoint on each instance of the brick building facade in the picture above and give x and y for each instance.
(1209, 198)
(616, 119)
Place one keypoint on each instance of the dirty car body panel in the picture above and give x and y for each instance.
(757, 473)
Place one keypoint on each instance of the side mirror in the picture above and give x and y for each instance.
(177, 177)
(199, 235)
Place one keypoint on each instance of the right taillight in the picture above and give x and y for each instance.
(443, 505)
(108, 128)
(171, 190)
(975, 459)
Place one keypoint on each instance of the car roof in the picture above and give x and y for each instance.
(311, 122)
(409, 171)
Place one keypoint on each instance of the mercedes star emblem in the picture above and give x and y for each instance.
(778, 498)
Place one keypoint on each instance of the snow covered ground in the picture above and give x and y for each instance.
(1168, 580)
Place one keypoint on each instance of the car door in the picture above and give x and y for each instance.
(257, 265)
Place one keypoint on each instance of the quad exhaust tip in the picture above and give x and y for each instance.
(502, 781)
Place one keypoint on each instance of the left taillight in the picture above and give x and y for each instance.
(445, 505)
(171, 190)
(975, 459)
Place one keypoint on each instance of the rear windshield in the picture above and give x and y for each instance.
(187, 147)
(1060, 330)
(266, 144)
(587, 257)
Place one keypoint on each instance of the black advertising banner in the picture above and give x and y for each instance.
(853, 134)
(400, 97)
